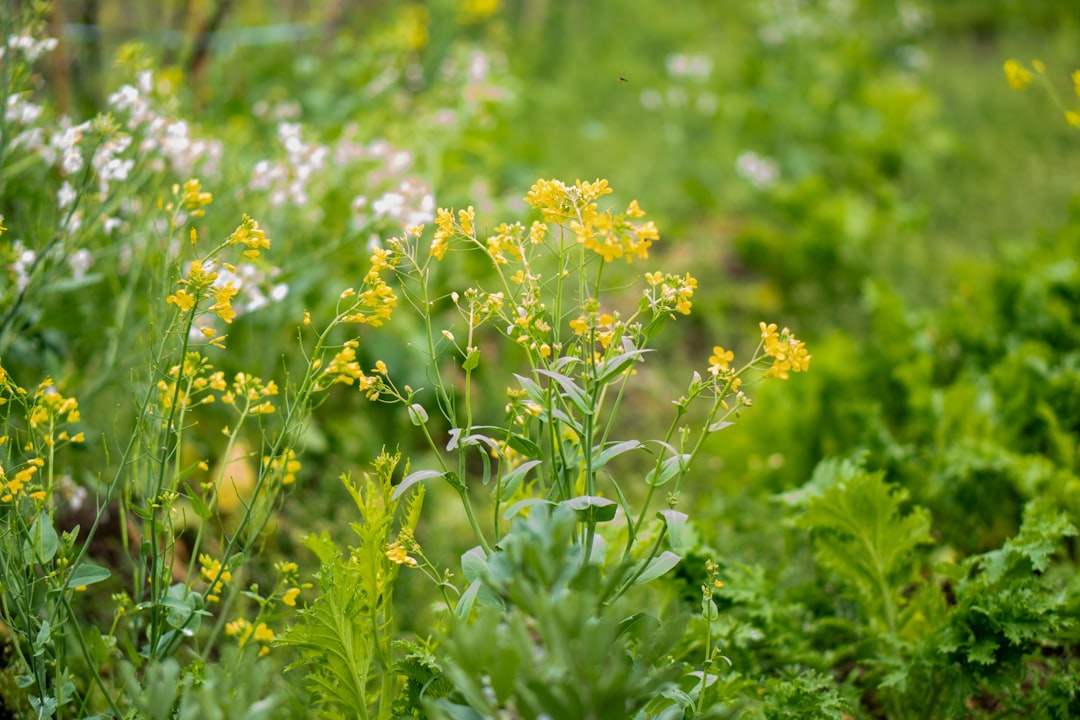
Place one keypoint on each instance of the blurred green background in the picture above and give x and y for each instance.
(856, 169)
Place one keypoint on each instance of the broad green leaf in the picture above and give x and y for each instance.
(525, 446)
(668, 470)
(592, 508)
(87, 574)
(601, 459)
(658, 566)
(471, 360)
(474, 564)
(44, 539)
(676, 524)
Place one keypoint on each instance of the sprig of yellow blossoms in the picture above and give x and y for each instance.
(1019, 78)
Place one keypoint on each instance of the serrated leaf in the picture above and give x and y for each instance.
(862, 535)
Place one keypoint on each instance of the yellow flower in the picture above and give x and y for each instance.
(634, 210)
(397, 554)
(1072, 117)
(250, 235)
(194, 199)
(1076, 81)
(182, 300)
(580, 325)
(467, 219)
(289, 598)
(1017, 76)
(654, 278)
(223, 302)
(720, 360)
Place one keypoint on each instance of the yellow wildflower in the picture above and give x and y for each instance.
(1017, 75)
(250, 235)
(223, 302)
(721, 359)
(289, 598)
(1072, 117)
(397, 554)
(194, 199)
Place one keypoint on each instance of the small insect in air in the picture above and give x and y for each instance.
(622, 78)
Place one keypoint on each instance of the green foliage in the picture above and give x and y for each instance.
(344, 638)
(864, 537)
(556, 650)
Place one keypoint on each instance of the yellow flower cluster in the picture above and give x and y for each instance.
(196, 381)
(193, 198)
(1019, 77)
(284, 465)
(373, 305)
(290, 579)
(12, 488)
(244, 631)
(253, 392)
(250, 235)
(397, 553)
(199, 280)
(608, 234)
(789, 354)
(604, 327)
(52, 409)
(670, 293)
(345, 368)
(215, 575)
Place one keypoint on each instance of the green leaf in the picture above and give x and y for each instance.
(618, 365)
(45, 541)
(612, 451)
(472, 360)
(413, 478)
(658, 566)
(525, 446)
(592, 508)
(863, 537)
(522, 504)
(676, 524)
(571, 390)
(510, 482)
(87, 574)
(417, 414)
(671, 467)
(199, 505)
